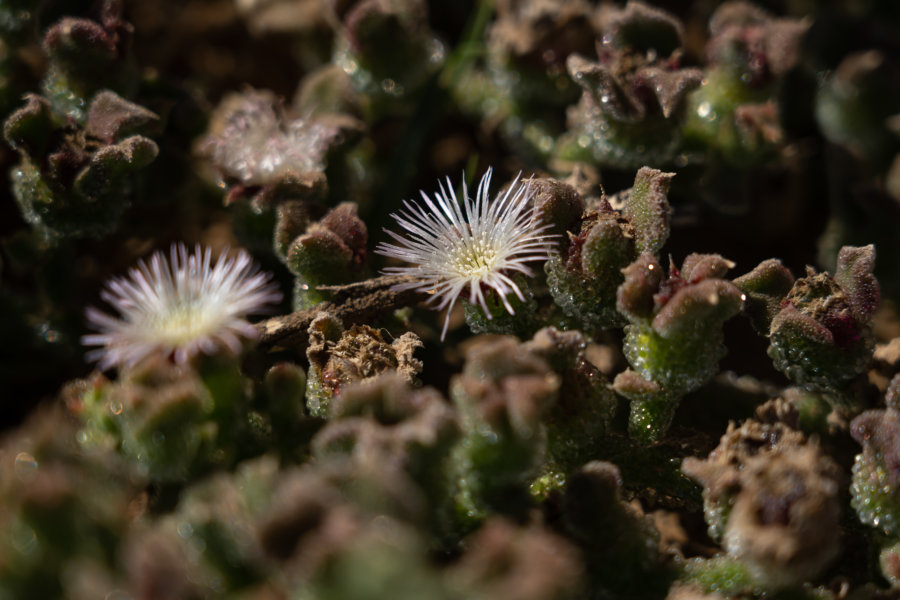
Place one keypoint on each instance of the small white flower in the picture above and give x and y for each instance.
(479, 244)
(179, 308)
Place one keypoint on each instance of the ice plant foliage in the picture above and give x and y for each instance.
(476, 245)
(179, 307)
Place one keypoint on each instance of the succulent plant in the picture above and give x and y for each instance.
(584, 275)
(501, 395)
(855, 108)
(528, 44)
(86, 56)
(765, 288)
(875, 492)
(278, 418)
(734, 115)
(772, 498)
(510, 562)
(854, 102)
(383, 422)
(674, 338)
(523, 86)
(581, 418)
(64, 509)
(172, 422)
(331, 250)
(531, 413)
(76, 181)
(345, 447)
(888, 561)
(819, 332)
(633, 100)
(618, 542)
(388, 50)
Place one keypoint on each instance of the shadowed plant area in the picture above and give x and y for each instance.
(469, 300)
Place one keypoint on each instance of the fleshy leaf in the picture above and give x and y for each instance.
(854, 274)
(697, 267)
(648, 208)
(705, 304)
(109, 163)
(642, 278)
(110, 115)
(319, 254)
(642, 27)
(29, 127)
(556, 203)
(765, 287)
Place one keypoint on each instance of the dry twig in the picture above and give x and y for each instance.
(352, 303)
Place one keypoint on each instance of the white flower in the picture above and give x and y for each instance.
(179, 308)
(474, 246)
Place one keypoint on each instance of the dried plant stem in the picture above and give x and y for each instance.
(352, 303)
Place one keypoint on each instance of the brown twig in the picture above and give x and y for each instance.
(353, 304)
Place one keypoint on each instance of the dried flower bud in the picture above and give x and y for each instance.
(338, 358)
(772, 498)
(262, 152)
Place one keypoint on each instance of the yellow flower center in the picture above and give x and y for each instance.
(474, 259)
(187, 320)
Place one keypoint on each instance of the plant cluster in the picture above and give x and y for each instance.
(607, 398)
